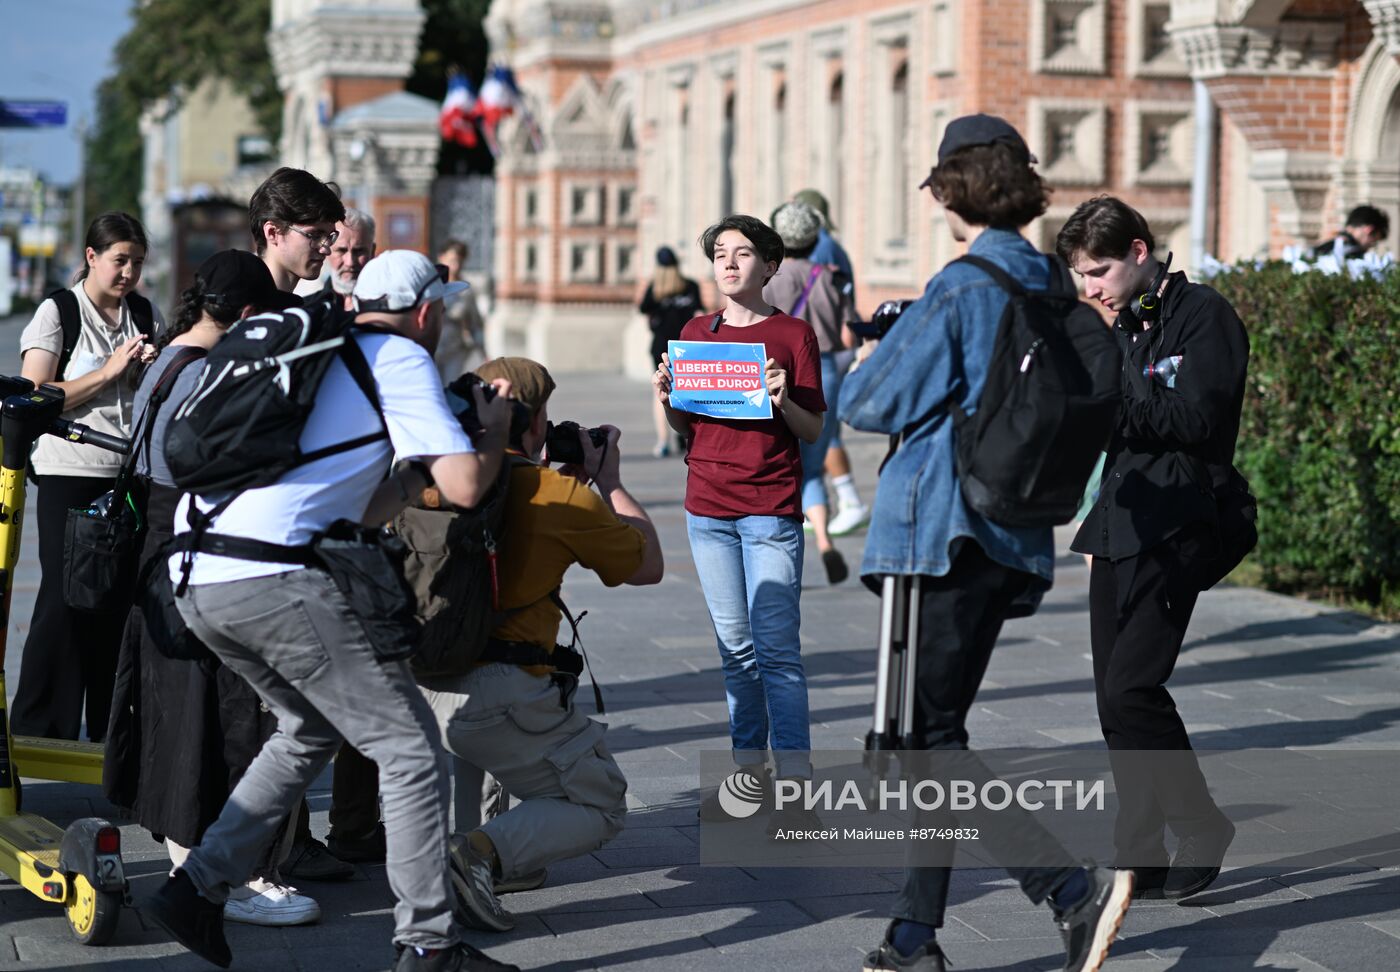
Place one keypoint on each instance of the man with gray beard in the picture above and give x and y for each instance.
(353, 248)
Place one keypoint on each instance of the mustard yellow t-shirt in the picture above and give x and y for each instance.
(552, 522)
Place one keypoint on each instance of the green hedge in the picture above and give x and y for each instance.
(1320, 436)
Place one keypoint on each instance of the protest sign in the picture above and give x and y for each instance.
(719, 379)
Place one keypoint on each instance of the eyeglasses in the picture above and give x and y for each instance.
(382, 303)
(319, 239)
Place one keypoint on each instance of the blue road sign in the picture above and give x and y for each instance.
(33, 114)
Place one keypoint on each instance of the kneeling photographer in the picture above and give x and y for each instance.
(506, 706)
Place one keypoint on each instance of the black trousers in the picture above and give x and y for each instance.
(960, 617)
(354, 794)
(70, 656)
(1139, 608)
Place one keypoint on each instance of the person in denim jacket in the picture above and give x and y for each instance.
(973, 570)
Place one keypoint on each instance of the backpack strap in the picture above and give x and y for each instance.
(1002, 278)
(70, 318)
(798, 307)
(358, 366)
(142, 314)
(576, 645)
(159, 395)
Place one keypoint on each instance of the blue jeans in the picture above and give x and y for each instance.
(750, 569)
(814, 454)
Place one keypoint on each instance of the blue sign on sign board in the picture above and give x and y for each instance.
(33, 114)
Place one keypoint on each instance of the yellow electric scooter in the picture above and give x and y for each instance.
(79, 868)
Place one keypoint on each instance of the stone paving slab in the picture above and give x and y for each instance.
(1259, 670)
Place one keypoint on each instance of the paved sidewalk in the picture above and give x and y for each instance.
(1259, 671)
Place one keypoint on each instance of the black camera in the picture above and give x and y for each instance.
(881, 321)
(561, 442)
(463, 405)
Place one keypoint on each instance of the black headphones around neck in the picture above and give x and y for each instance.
(1147, 308)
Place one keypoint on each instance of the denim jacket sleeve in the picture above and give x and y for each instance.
(911, 372)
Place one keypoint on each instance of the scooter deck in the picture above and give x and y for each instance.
(63, 760)
(29, 847)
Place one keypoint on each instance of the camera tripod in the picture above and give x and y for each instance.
(892, 728)
(79, 868)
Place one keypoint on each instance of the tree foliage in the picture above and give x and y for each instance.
(1320, 436)
(173, 45)
(452, 38)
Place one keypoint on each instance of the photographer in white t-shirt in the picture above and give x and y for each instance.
(290, 631)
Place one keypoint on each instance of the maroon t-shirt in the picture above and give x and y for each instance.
(747, 467)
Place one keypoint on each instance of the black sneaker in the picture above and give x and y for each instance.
(1148, 882)
(1090, 927)
(835, 565)
(459, 958)
(746, 787)
(370, 849)
(1197, 862)
(928, 957)
(309, 860)
(192, 919)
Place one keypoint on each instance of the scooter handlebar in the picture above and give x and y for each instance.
(74, 432)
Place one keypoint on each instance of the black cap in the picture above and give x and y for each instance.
(237, 278)
(971, 130)
(666, 257)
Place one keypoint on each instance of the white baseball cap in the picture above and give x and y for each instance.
(400, 280)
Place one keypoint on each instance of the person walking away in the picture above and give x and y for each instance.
(810, 291)
(671, 300)
(70, 657)
(851, 511)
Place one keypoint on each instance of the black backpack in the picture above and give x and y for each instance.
(241, 427)
(1048, 408)
(71, 318)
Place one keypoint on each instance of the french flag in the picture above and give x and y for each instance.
(457, 118)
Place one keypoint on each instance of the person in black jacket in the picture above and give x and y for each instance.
(1366, 226)
(670, 302)
(1153, 533)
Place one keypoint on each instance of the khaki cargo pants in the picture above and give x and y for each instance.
(549, 756)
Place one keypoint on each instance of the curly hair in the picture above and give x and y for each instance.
(193, 308)
(989, 185)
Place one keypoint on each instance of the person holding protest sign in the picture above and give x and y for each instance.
(743, 492)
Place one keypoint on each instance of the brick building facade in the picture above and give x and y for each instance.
(659, 116)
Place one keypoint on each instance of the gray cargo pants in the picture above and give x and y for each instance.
(293, 637)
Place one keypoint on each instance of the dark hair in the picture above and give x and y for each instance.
(764, 238)
(988, 185)
(191, 311)
(457, 247)
(109, 229)
(1372, 217)
(1104, 228)
(800, 252)
(292, 196)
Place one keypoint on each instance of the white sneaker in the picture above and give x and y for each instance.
(272, 904)
(848, 520)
